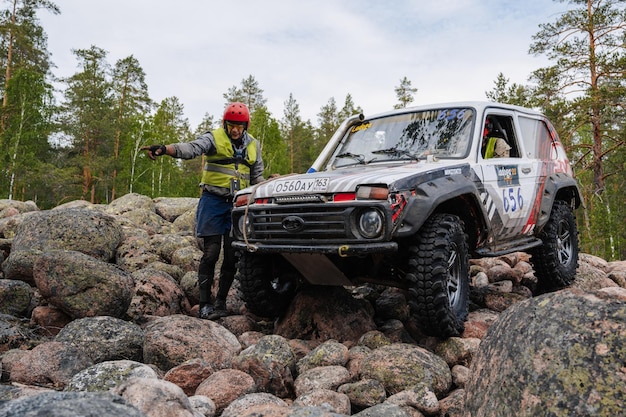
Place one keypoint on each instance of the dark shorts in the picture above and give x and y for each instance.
(213, 215)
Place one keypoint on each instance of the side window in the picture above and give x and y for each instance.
(502, 128)
(536, 137)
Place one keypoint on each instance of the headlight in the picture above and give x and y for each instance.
(244, 223)
(370, 223)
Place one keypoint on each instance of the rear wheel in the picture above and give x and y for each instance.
(268, 283)
(556, 260)
(439, 276)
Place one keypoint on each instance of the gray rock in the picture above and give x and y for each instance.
(383, 410)
(170, 341)
(156, 293)
(247, 402)
(328, 353)
(135, 252)
(148, 220)
(364, 393)
(185, 223)
(166, 244)
(322, 377)
(155, 397)
(106, 375)
(327, 399)
(104, 338)
(88, 231)
(171, 208)
(50, 364)
(558, 354)
(129, 202)
(400, 366)
(15, 297)
(81, 285)
(70, 404)
(272, 364)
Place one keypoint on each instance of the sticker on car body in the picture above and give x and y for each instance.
(507, 175)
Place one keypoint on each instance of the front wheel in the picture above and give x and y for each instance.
(268, 283)
(439, 276)
(556, 260)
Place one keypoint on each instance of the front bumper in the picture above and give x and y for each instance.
(343, 250)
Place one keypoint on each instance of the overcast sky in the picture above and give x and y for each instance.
(197, 49)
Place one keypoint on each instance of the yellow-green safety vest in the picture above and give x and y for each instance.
(221, 167)
(491, 146)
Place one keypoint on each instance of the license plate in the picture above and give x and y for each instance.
(301, 185)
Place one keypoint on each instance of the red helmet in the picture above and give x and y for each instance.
(237, 112)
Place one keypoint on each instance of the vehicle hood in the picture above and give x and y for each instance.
(348, 179)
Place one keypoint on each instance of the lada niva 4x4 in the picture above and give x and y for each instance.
(404, 199)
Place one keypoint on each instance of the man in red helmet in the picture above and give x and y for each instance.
(232, 162)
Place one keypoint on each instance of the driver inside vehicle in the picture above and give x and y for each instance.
(494, 144)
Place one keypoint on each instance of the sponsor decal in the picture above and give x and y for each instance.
(452, 171)
(507, 175)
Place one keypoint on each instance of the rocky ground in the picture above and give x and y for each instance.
(98, 316)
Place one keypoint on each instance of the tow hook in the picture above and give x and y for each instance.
(343, 251)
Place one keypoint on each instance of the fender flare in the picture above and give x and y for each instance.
(434, 193)
(557, 186)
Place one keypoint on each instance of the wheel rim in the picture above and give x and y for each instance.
(454, 271)
(564, 245)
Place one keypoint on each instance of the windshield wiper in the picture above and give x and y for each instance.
(358, 157)
(398, 152)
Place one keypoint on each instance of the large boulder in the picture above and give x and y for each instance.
(15, 297)
(170, 341)
(70, 404)
(272, 364)
(400, 366)
(559, 354)
(81, 285)
(83, 230)
(311, 316)
(170, 208)
(156, 294)
(107, 375)
(104, 338)
(49, 364)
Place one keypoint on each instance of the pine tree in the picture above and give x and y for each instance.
(88, 117)
(25, 114)
(587, 47)
(131, 102)
(249, 93)
(584, 91)
(328, 122)
(404, 93)
(173, 177)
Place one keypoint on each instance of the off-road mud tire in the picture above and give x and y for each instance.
(439, 275)
(268, 283)
(556, 260)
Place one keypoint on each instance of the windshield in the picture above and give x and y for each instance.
(443, 133)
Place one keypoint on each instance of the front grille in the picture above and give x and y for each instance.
(327, 222)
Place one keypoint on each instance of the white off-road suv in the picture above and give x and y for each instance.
(404, 199)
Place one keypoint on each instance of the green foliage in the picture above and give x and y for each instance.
(89, 146)
(249, 93)
(266, 129)
(404, 93)
(24, 139)
(583, 93)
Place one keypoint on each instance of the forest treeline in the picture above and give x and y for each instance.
(84, 143)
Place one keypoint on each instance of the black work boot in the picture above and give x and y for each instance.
(206, 309)
(219, 310)
(205, 312)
